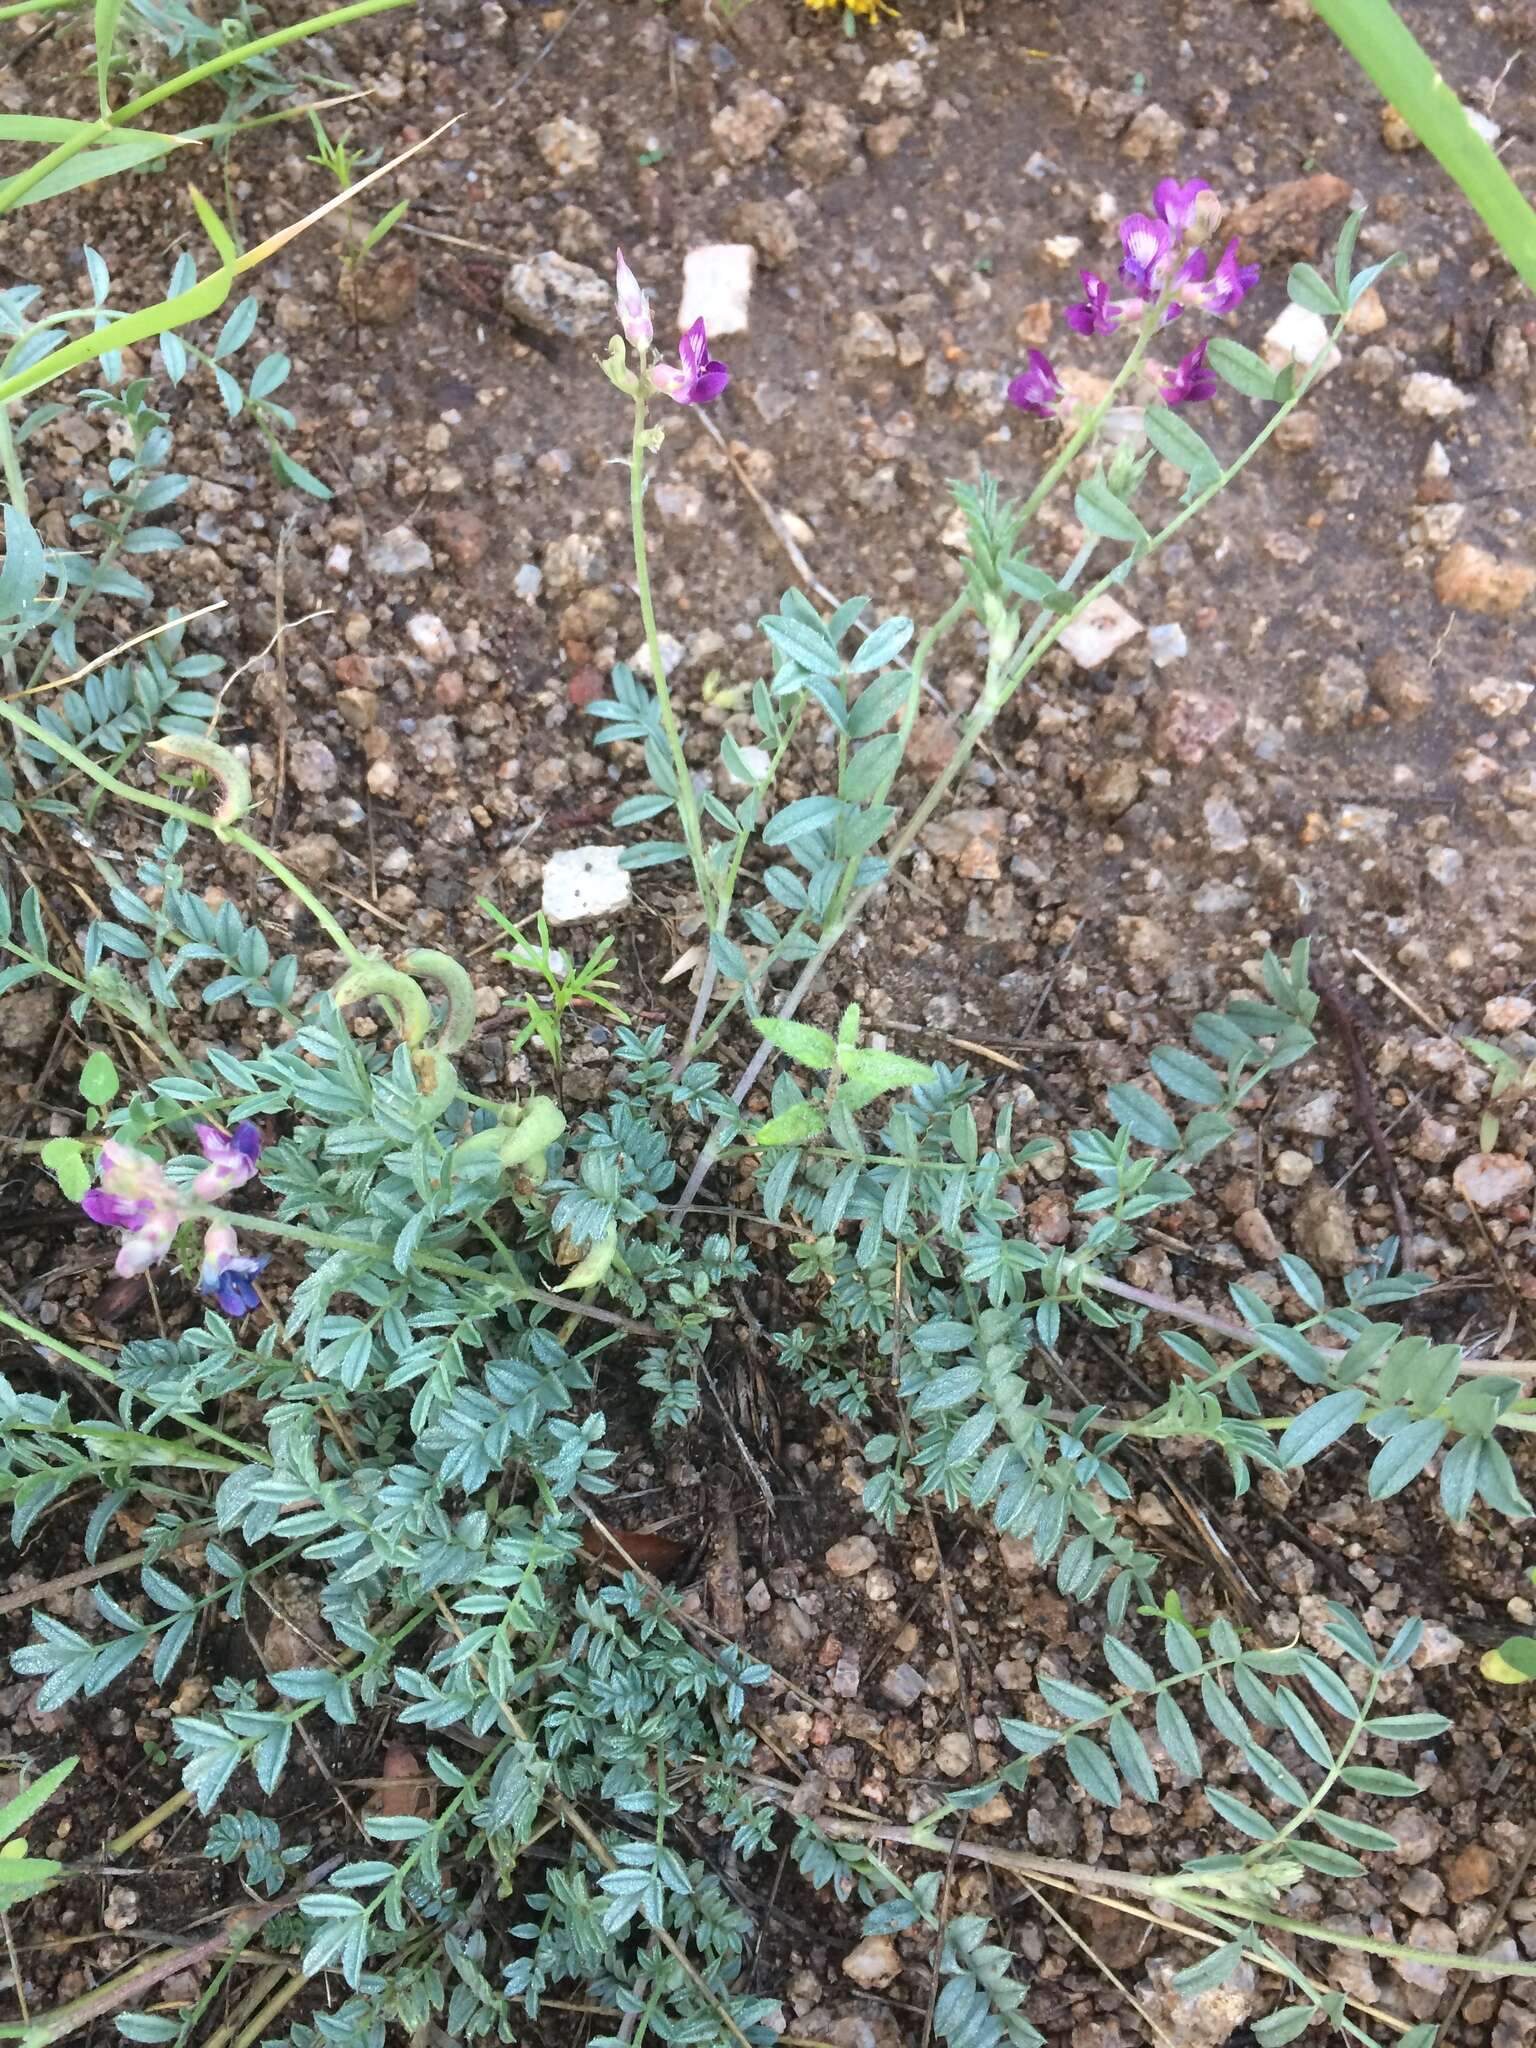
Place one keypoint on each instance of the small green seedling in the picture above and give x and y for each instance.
(65, 1157)
(1509, 1079)
(336, 156)
(23, 1876)
(857, 1075)
(569, 982)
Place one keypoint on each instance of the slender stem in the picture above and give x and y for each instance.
(1093, 419)
(432, 1262)
(232, 835)
(10, 462)
(992, 699)
(1253, 1339)
(687, 800)
(45, 1341)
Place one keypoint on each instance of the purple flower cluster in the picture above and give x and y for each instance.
(695, 378)
(134, 1196)
(1158, 265)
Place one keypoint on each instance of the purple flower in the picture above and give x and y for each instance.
(701, 379)
(634, 313)
(231, 1160)
(1175, 203)
(1191, 380)
(1227, 286)
(225, 1274)
(1037, 389)
(1099, 313)
(1147, 245)
(134, 1196)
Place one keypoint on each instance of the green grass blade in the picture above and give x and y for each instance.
(1387, 51)
(128, 153)
(107, 12)
(16, 189)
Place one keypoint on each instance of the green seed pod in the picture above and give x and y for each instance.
(594, 1266)
(437, 1080)
(525, 1133)
(378, 978)
(540, 1125)
(233, 782)
(459, 1021)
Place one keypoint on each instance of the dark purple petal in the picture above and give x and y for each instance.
(1098, 313)
(1229, 284)
(248, 1141)
(709, 383)
(1038, 388)
(116, 1212)
(1191, 381)
(1174, 202)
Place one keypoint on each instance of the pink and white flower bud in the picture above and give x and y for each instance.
(1207, 216)
(634, 313)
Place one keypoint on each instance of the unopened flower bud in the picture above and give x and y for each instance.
(634, 313)
(1207, 216)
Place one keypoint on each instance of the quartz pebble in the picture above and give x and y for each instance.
(717, 287)
(584, 882)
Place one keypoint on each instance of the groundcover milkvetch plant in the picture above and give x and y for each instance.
(402, 1394)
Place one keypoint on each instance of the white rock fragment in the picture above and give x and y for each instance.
(874, 1963)
(1103, 627)
(429, 636)
(1062, 249)
(1224, 825)
(717, 287)
(1298, 336)
(400, 552)
(1166, 643)
(528, 582)
(1485, 124)
(1498, 697)
(1430, 397)
(584, 882)
(758, 763)
(1487, 1180)
(672, 654)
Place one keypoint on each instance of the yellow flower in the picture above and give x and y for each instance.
(856, 10)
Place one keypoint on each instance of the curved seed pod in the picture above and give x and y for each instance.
(233, 782)
(594, 1266)
(437, 1080)
(454, 979)
(525, 1133)
(539, 1126)
(378, 978)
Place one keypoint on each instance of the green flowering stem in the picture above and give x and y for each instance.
(432, 1262)
(687, 799)
(1088, 426)
(1037, 646)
